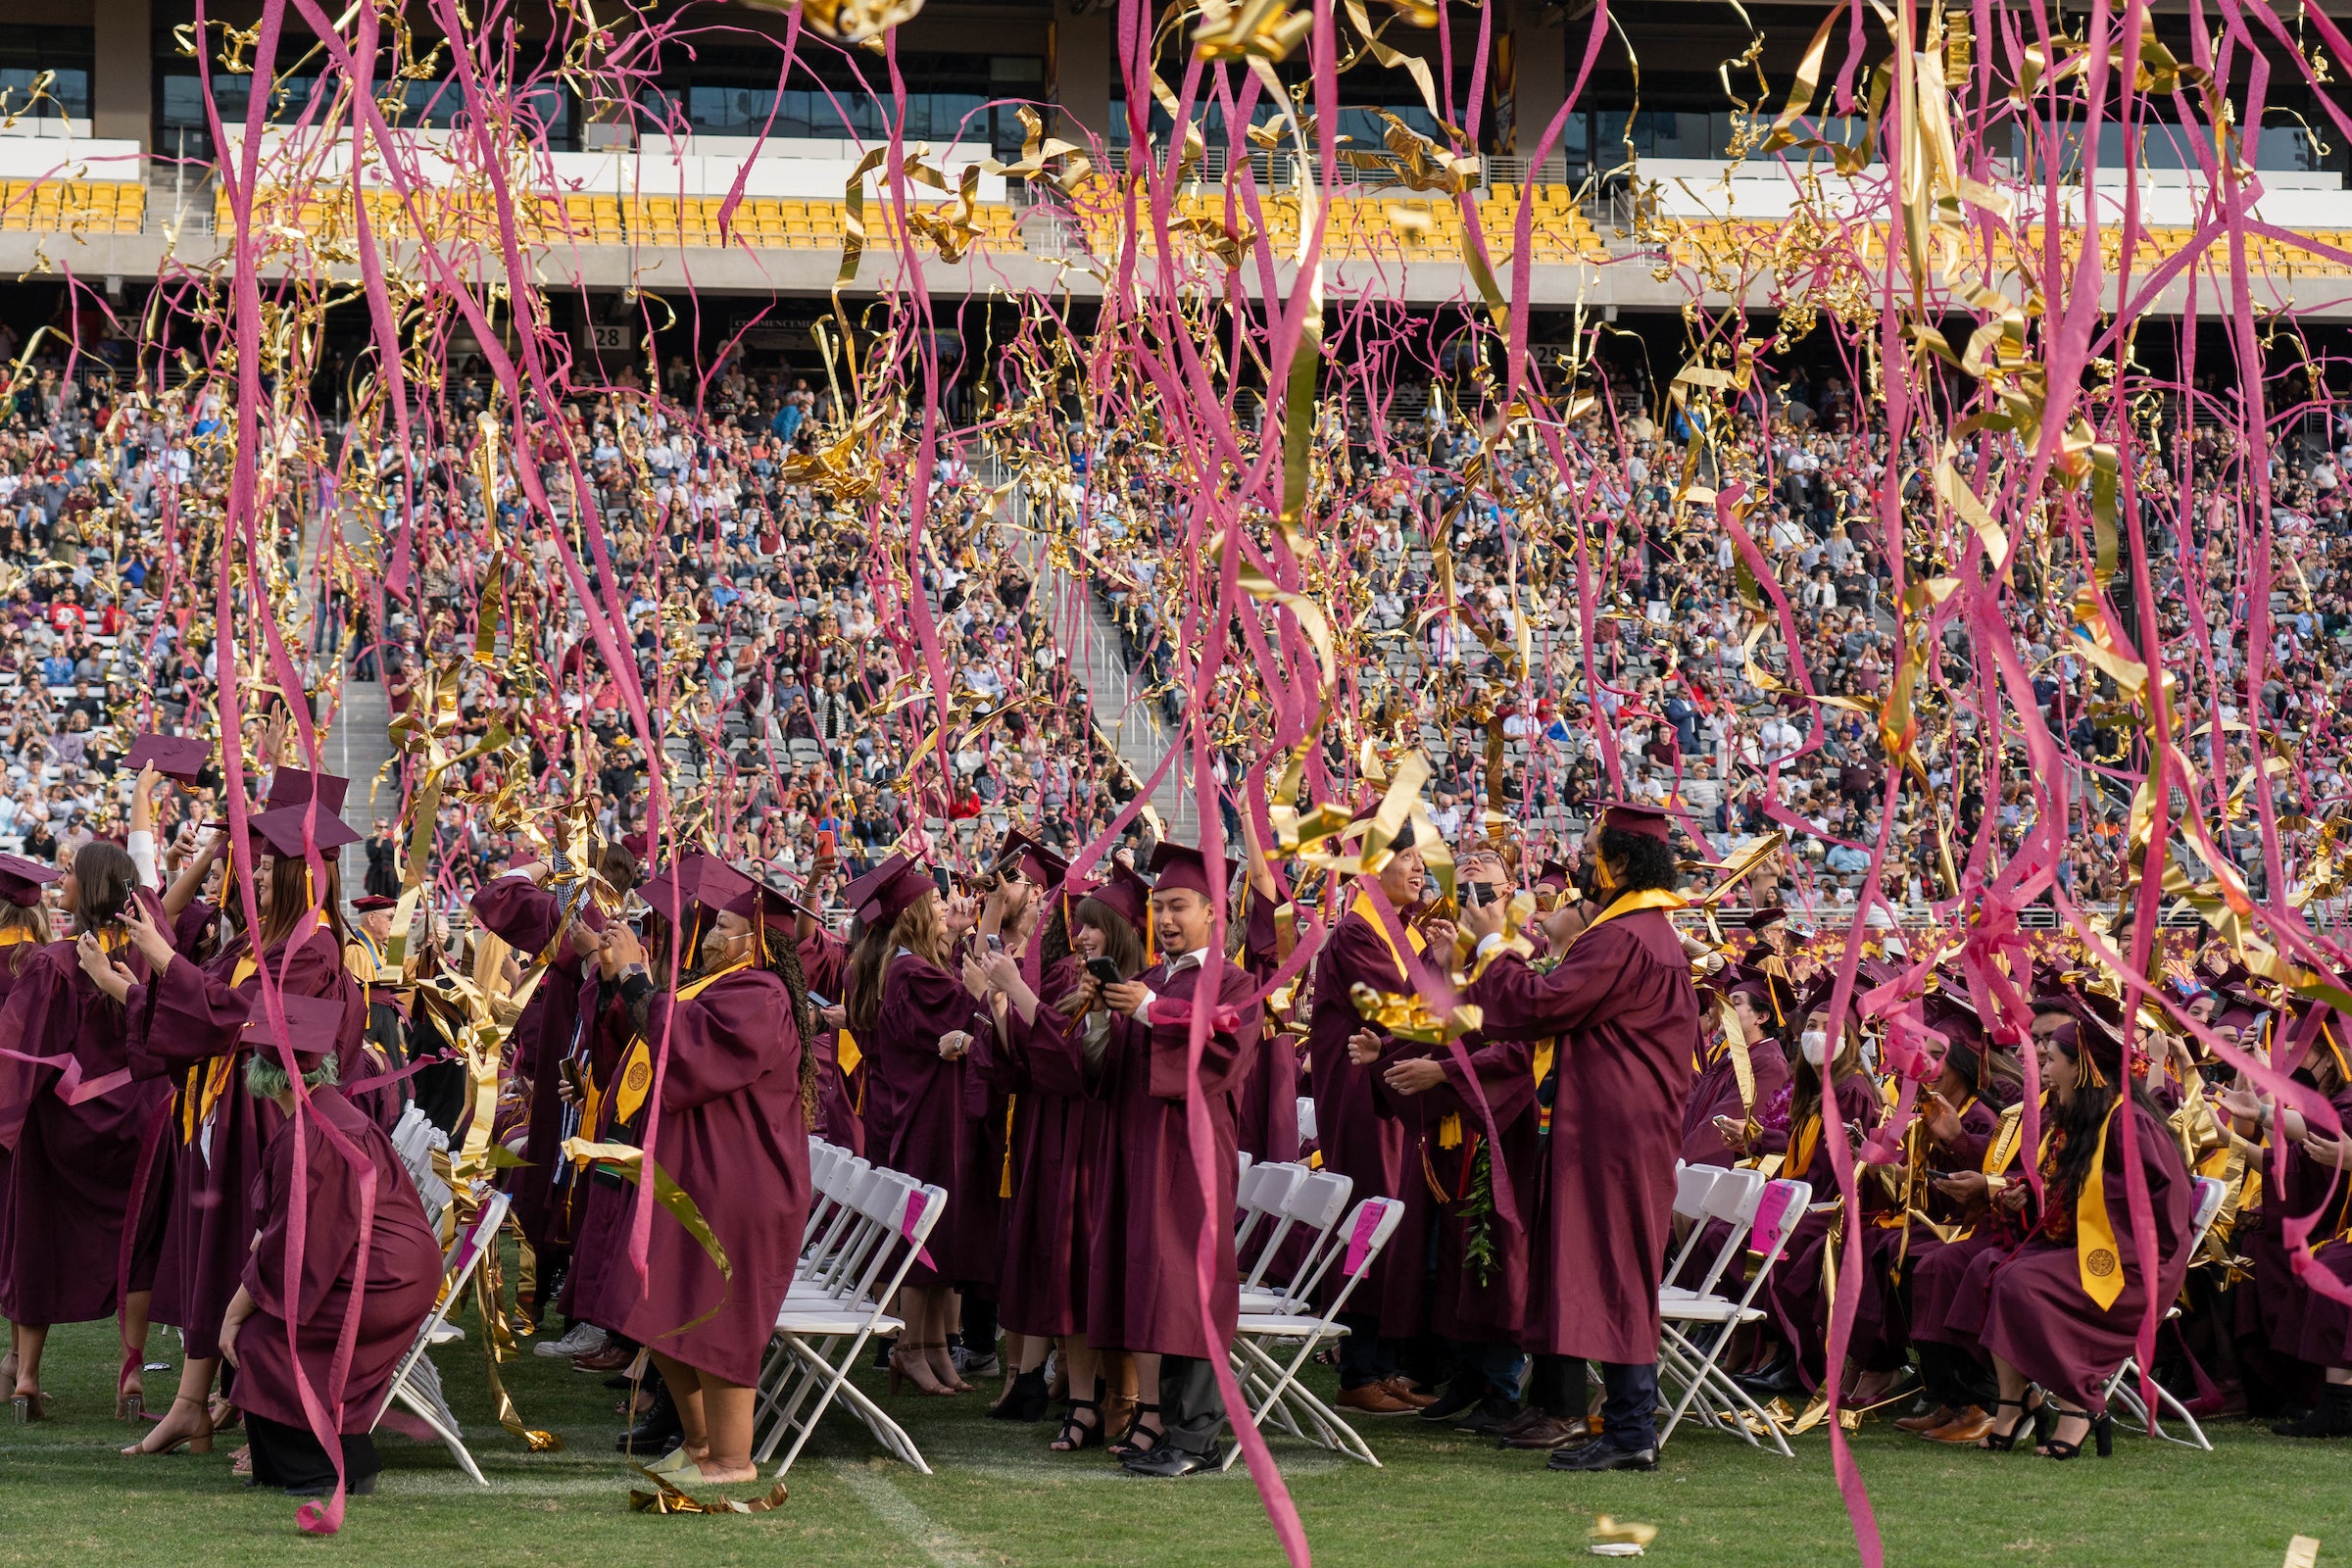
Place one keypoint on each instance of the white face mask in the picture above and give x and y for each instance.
(1815, 1044)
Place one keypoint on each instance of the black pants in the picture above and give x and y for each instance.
(979, 1333)
(1953, 1377)
(1629, 1407)
(1190, 1409)
(290, 1456)
(1502, 1367)
(1364, 1357)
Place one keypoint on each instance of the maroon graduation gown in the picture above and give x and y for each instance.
(1796, 1293)
(402, 1281)
(1622, 1003)
(917, 1118)
(1894, 1252)
(73, 1166)
(1716, 1093)
(189, 1026)
(1147, 1209)
(731, 1135)
(1268, 1105)
(1477, 1302)
(599, 1204)
(825, 967)
(528, 918)
(2291, 1312)
(2037, 1317)
(1057, 1125)
(1380, 1153)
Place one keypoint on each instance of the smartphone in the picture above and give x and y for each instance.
(1477, 895)
(995, 943)
(1103, 970)
(826, 849)
(939, 878)
(815, 1001)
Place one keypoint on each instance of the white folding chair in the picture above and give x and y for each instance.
(1258, 1199)
(1274, 1388)
(2121, 1388)
(1313, 1207)
(1691, 1184)
(844, 1181)
(1731, 1196)
(1762, 1217)
(821, 1338)
(417, 1382)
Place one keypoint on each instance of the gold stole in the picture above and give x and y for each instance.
(636, 1077)
(209, 1080)
(2095, 1255)
(1801, 1146)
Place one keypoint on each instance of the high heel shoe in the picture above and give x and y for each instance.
(908, 1362)
(1075, 1434)
(1025, 1401)
(1128, 1445)
(2001, 1440)
(2101, 1433)
(191, 1442)
(130, 1388)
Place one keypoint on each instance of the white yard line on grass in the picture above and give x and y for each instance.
(942, 1545)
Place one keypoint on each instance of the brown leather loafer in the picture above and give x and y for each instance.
(1399, 1389)
(1373, 1398)
(1549, 1433)
(612, 1358)
(1965, 1428)
(1943, 1415)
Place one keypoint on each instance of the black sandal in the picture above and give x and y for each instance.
(1127, 1445)
(2102, 1431)
(1077, 1435)
(1999, 1442)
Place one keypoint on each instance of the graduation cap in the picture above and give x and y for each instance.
(313, 1024)
(1950, 1016)
(1770, 992)
(1554, 876)
(372, 902)
(285, 829)
(294, 786)
(762, 904)
(22, 880)
(1762, 920)
(719, 885)
(1034, 862)
(893, 894)
(1634, 817)
(181, 759)
(302, 804)
(1125, 894)
(1177, 867)
(860, 890)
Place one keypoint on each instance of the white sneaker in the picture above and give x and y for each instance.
(584, 1339)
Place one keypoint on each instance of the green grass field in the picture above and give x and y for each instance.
(999, 1496)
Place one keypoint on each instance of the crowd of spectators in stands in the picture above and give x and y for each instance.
(776, 648)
